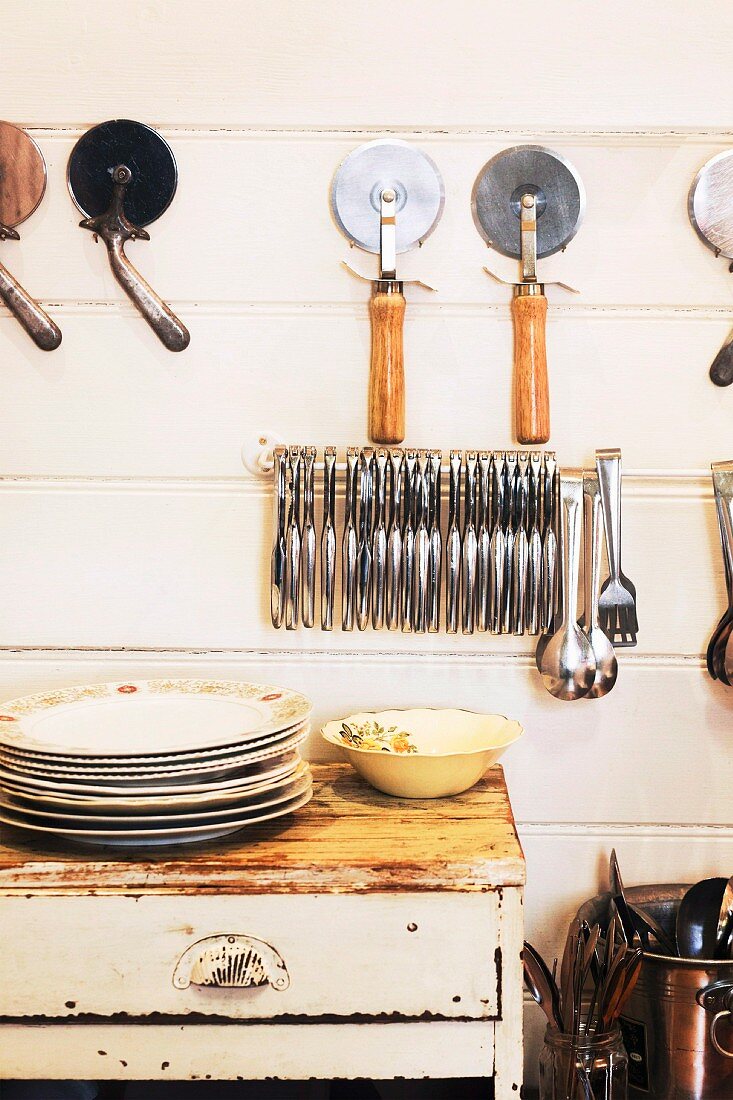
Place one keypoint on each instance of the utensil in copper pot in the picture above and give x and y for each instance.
(387, 197)
(122, 176)
(22, 187)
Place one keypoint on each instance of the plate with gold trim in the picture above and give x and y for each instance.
(148, 717)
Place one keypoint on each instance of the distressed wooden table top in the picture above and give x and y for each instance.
(349, 838)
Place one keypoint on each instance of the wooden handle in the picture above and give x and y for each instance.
(387, 374)
(531, 391)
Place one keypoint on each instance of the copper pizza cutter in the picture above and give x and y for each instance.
(528, 202)
(122, 176)
(710, 206)
(387, 197)
(22, 186)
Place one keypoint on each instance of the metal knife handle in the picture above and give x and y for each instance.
(408, 542)
(328, 539)
(364, 552)
(608, 465)
(534, 583)
(435, 557)
(453, 547)
(379, 539)
(44, 332)
(483, 548)
(497, 572)
(519, 581)
(469, 545)
(309, 538)
(422, 546)
(394, 543)
(293, 542)
(349, 545)
(277, 561)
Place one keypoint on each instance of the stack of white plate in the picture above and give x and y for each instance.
(152, 761)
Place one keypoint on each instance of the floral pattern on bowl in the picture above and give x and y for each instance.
(373, 736)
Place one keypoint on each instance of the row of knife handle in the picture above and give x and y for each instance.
(497, 560)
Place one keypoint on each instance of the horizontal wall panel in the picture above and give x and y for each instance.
(622, 761)
(172, 566)
(112, 401)
(315, 64)
(264, 233)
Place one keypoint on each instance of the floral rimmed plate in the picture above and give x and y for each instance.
(148, 717)
(128, 838)
(269, 769)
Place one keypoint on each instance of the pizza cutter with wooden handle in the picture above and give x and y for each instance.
(710, 206)
(528, 203)
(387, 197)
(22, 186)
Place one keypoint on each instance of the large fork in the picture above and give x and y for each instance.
(617, 603)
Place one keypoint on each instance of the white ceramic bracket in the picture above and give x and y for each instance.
(257, 453)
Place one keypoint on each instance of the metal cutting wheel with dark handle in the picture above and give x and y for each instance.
(122, 176)
(528, 202)
(22, 186)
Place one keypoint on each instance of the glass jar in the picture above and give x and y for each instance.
(568, 1066)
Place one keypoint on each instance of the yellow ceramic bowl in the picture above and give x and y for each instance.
(422, 753)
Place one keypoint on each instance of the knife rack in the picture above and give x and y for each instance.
(420, 545)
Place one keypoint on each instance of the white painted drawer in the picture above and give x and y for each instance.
(405, 955)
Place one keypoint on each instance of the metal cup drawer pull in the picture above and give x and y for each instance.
(22, 186)
(122, 176)
(231, 962)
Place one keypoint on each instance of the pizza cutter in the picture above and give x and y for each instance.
(22, 186)
(710, 206)
(528, 203)
(387, 197)
(122, 176)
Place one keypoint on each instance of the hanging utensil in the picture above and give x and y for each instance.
(567, 665)
(509, 497)
(293, 541)
(520, 549)
(468, 564)
(278, 557)
(710, 207)
(364, 551)
(379, 539)
(497, 545)
(309, 537)
(453, 546)
(394, 542)
(617, 602)
(603, 652)
(534, 545)
(349, 543)
(436, 543)
(550, 579)
(408, 541)
(528, 202)
(387, 197)
(422, 544)
(718, 645)
(483, 541)
(122, 176)
(328, 539)
(22, 186)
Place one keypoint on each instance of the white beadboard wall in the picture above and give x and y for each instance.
(133, 542)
